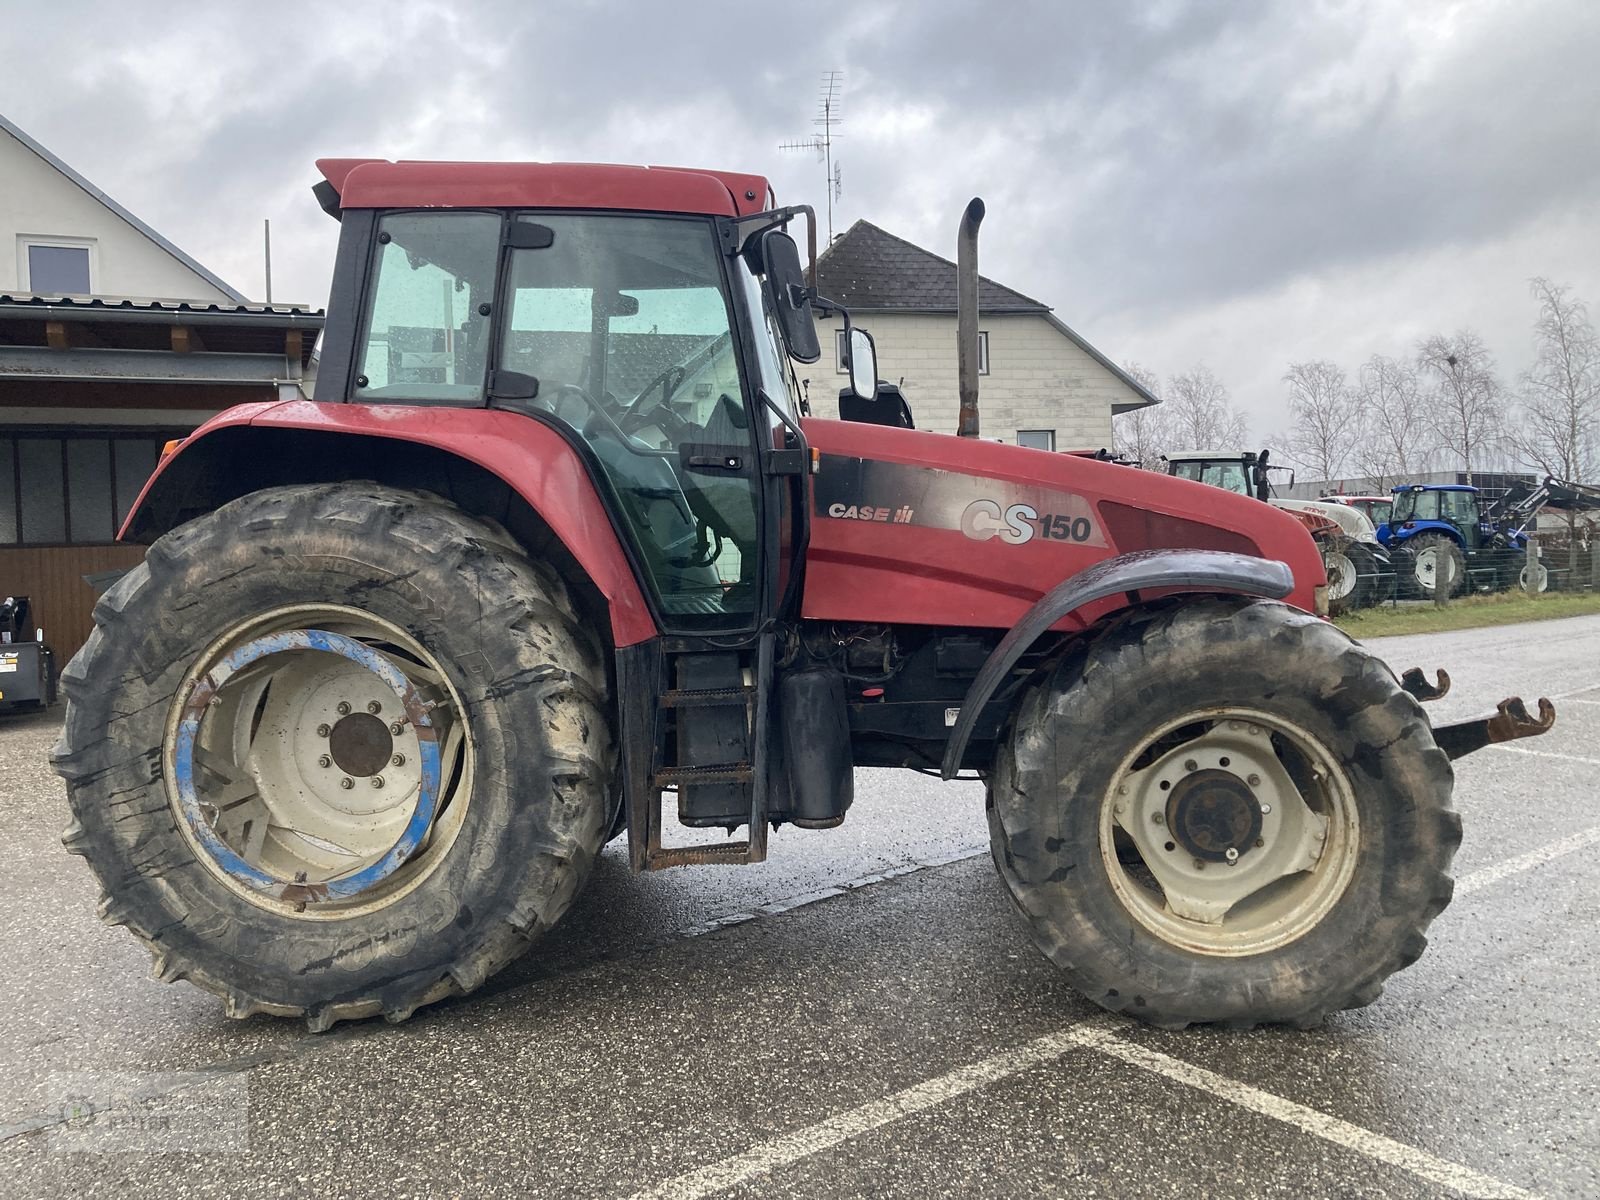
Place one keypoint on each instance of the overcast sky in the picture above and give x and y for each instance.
(1242, 184)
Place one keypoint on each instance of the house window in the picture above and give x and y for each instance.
(841, 355)
(1037, 439)
(56, 266)
(71, 489)
(983, 352)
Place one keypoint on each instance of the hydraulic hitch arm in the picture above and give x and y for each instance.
(1511, 720)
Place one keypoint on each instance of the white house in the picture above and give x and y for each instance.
(1042, 384)
(112, 341)
(61, 235)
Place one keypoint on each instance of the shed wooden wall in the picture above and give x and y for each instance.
(52, 577)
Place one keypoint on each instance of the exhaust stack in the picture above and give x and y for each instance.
(967, 317)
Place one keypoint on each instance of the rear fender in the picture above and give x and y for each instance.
(1170, 571)
(1421, 527)
(496, 464)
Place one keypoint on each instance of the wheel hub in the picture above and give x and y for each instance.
(1220, 823)
(1212, 812)
(361, 744)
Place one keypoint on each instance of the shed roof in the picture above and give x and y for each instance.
(226, 289)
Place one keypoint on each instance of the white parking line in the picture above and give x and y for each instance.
(1330, 1129)
(1468, 884)
(802, 1143)
(1093, 1035)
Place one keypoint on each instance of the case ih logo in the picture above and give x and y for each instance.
(854, 489)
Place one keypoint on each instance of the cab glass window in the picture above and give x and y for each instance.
(624, 323)
(429, 317)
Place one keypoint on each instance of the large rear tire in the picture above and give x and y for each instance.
(336, 750)
(1224, 811)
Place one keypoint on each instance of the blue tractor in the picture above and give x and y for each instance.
(1447, 529)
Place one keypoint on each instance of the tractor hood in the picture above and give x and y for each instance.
(1352, 521)
(924, 528)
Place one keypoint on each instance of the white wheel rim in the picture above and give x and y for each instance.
(1341, 574)
(1427, 566)
(1212, 874)
(317, 761)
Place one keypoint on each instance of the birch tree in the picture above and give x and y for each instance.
(1465, 398)
(1142, 435)
(1561, 392)
(1202, 414)
(1326, 421)
(1396, 440)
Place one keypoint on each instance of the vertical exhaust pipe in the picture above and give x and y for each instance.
(967, 317)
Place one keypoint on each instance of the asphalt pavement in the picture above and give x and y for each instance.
(862, 1015)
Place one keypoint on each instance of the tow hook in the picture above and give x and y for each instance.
(1416, 682)
(1510, 721)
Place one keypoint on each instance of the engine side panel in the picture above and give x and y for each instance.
(912, 527)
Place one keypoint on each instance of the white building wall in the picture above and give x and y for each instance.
(36, 200)
(1038, 377)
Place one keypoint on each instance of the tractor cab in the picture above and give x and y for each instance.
(1451, 508)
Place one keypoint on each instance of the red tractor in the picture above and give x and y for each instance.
(556, 536)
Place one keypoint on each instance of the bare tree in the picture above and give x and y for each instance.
(1561, 396)
(1561, 393)
(1397, 438)
(1142, 435)
(1466, 399)
(1202, 416)
(1327, 421)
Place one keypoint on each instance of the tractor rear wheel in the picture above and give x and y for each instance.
(336, 750)
(1224, 811)
(1352, 576)
(1433, 554)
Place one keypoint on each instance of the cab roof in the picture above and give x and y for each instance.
(378, 183)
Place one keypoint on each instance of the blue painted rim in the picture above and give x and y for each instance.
(209, 685)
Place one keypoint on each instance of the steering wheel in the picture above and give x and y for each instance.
(647, 408)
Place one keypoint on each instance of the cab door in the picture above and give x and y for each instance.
(619, 329)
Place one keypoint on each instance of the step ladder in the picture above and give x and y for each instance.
(642, 680)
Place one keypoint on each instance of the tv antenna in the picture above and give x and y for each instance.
(827, 120)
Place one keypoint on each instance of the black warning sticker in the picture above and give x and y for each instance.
(861, 489)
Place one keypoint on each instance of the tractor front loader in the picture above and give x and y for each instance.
(556, 540)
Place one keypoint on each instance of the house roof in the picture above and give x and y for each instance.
(226, 289)
(868, 269)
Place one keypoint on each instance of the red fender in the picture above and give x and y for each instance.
(531, 458)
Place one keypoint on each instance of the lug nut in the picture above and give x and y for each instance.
(374, 708)
(1261, 842)
(347, 783)
(1253, 780)
(1266, 810)
(344, 708)
(1189, 764)
(397, 729)
(1158, 819)
(1231, 855)
(323, 730)
(377, 781)
(1122, 789)
(324, 761)
(399, 760)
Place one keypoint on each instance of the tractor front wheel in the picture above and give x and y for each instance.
(1224, 811)
(336, 750)
(1436, 558)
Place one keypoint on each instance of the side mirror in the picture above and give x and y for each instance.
(780, 260)
(862, 362)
